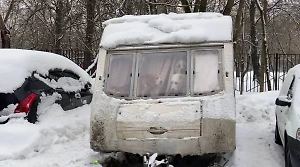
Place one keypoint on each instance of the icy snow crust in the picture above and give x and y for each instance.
(16, 65)
(162, 29)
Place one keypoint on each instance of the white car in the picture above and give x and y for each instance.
(287, 132)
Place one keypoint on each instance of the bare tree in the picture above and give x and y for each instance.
(90, 30)
(264, 52)
(228, 7)
(254, 43)
(5, 34)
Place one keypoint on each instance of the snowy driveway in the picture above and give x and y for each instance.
(62, 138)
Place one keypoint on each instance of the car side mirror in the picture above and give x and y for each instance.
(283, 101)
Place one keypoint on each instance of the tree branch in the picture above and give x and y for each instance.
(11, 6)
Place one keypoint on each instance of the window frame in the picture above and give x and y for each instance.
(144, 51)
(136, 53)
(107, 67)
(220, 71)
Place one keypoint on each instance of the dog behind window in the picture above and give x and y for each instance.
(149, 84)
(178, 84)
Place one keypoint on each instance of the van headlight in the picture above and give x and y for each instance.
(298, 134)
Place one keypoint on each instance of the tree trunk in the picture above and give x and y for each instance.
(186, 8)
(5, 34)
(266, 45)
(163, 7)
(228, 7)
(11, 6)
(152, 7)
(263, 58)
(203, 6)
(236, 32)
(200, 6)
(254, 43)
(90, 29)
(58, 27)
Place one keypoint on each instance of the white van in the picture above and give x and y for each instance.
(164, 84)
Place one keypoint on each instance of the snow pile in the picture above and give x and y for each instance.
(16, 65)
(166, 28)
(18, 139)
(256, 107)
(21, 140)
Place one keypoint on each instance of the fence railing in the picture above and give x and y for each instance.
(77, 56)
(279, 64)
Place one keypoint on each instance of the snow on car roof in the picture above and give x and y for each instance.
(17, 64)
(166, 28)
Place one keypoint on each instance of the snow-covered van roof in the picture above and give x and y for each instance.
(171, 28)
(17, 64)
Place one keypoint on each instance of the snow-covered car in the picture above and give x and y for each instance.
(287, 131)
(164, 84)
(28, 77)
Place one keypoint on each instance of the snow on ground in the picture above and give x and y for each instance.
(255, 132)
(61, 138)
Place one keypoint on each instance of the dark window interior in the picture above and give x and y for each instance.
(7, 99)
(56, 74)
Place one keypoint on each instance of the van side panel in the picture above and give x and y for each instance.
(103, 115)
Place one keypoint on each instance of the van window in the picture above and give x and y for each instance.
(119, 75)
(206, 71)
(162, 74)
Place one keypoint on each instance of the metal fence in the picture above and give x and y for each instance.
(279, 64)
(77, 56)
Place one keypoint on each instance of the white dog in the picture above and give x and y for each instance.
(178, 83)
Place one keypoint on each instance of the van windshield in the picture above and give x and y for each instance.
(158, 73)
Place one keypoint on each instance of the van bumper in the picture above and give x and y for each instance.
(217, 136)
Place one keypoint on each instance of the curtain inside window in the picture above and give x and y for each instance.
(206, 67)
(156, 71)
(119, 75)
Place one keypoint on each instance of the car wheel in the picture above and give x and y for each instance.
(277, 136)
(287, 155)
(32, 116)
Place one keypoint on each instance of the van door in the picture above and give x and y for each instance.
(172, 120)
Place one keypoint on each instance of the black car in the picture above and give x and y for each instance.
(53, 75)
